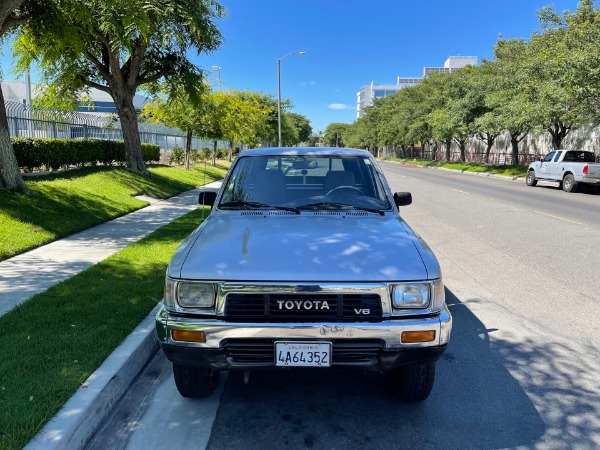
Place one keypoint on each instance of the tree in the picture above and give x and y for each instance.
(564, 91)
(175, 108)
(13, 13)
(509, 102)
(334, 134)
(266, 126)
(118, 46)
(238, 113)
(302, 126)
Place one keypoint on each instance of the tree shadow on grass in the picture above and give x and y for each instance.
(476, 402)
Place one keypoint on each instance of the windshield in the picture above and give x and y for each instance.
(319, 182)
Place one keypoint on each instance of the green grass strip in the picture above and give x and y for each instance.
(75, 200)
(53, 342)
(514, 171)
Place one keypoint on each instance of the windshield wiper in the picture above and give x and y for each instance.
(252, 205)
(328, 205)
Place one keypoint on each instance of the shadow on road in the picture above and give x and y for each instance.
(475, 402)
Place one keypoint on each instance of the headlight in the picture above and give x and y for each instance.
(195, 295)
(426, 294)
(411, 295)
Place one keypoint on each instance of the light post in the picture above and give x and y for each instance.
(218, 69)
(280, 143)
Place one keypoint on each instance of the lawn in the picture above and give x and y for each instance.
(75, 200)
(514, 171)
(53, 342)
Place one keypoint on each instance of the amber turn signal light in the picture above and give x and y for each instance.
(188, 336)
(411, 337)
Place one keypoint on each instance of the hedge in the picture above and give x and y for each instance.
(33, 153)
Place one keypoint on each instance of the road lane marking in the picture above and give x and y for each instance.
(462, 192)
(559, 218)
(414, 179)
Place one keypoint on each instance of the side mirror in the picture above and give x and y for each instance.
(402, 198)
(207, 198)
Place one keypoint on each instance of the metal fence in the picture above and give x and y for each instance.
(27, 121)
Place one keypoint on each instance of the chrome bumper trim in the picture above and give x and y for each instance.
(388, 330)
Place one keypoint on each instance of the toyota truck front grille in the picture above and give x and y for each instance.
(302, 308)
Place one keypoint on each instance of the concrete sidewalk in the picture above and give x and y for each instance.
(35, 271)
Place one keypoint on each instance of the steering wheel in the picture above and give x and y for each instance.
(348, 188)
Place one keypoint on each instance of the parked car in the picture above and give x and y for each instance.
(567, 167)
(304, 261)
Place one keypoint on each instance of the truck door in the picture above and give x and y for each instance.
(546, 167)
(556, 168)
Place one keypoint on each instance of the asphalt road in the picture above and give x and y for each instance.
(523, 367)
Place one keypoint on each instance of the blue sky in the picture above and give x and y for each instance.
(351, 43)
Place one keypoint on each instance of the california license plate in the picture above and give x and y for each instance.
(303, 354)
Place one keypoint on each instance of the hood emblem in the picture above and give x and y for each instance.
(302, 305)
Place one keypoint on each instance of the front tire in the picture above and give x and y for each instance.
(412, 383)
(195, 382)
(569, 184)
(530, 180)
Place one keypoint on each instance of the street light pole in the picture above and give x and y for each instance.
(280, 143)
(218, 69)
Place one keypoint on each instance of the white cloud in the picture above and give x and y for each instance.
(340, 106)
(308, 83)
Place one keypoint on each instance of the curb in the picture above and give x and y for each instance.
(83, 414)
(466, 172)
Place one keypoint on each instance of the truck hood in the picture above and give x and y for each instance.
(235, 247)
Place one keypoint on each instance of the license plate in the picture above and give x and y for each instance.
(303, 354)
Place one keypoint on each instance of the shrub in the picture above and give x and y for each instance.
(151, 152)
(194, 155)
(177, 155)
(206, 153)
(33, 153)
(222, 153)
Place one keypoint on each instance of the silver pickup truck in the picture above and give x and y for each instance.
(568, 167)
(304, 261)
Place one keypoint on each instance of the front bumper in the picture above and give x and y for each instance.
(374, 346)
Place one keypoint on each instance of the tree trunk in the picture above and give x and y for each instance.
(131, 133)
(514, 142)
(214, 153)
(448, 143)
(558, 131)
(434, 148)
(230, 151)
(462, 144)
(188, 149)
(488, 149)
(10, 173)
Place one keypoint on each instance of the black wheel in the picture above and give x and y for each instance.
(530, 180)
(195, 382)
(569, 184)
(412, 383)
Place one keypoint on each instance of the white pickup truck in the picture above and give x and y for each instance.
(568, 167)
